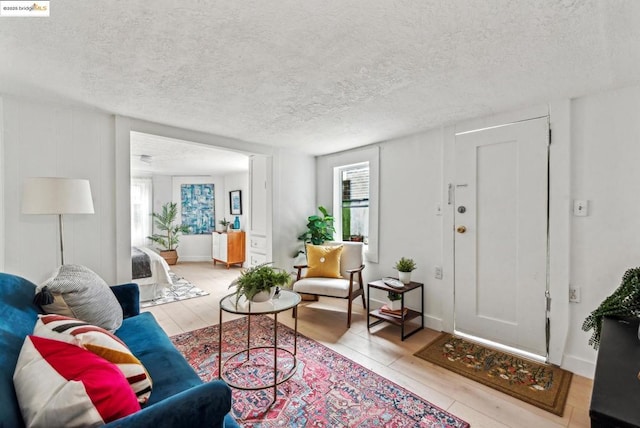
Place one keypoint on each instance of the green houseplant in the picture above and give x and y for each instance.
(405, 266)
(319, 229)
(623, 303)
(395, 300)
(225, 224)
(259, 283)
(165, 222)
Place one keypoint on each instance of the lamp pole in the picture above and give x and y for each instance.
(61, 239)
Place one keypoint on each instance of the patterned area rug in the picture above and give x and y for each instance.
(180, 290)
(327, 389)
(541, 385)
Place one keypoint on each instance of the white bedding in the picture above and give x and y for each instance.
(153, 286)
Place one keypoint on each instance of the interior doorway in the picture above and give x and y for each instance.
(501, 234)
(160, 166)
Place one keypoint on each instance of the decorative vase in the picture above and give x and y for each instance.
(236, 223)
(264, 296)
(395, 305)
(404, 277)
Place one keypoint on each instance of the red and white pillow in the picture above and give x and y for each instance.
(60, 384)
(101, 343)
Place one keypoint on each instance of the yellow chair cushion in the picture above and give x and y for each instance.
(323, 261)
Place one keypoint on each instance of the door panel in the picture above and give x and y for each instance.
(501, 258)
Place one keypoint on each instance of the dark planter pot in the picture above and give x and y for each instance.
(170, 256)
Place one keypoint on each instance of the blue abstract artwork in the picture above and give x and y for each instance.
(198, 210)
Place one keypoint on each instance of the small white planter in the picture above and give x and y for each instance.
(395, 305)
(264, 296)
(404, 277)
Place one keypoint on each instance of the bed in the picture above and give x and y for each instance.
(150, 272)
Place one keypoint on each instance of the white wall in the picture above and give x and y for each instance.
(594, 156)
(43, 139)
(294, 199)
(605, 154)
(409, 191)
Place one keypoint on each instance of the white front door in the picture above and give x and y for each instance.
(501, 234)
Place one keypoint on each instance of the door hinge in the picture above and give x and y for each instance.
(549, 136)
(547, 296)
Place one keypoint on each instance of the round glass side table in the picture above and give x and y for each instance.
(282, 301)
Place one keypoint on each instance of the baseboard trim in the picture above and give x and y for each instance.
(195, 259)
(579, 366)
(433, 323)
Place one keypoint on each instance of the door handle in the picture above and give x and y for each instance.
(461, 229)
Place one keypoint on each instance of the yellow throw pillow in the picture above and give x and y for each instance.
(323, 261)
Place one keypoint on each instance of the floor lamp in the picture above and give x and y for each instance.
(54, 195)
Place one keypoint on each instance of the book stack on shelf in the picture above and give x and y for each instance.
(394, 313)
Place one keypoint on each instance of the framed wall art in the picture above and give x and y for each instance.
(198, 208)
(235, 202)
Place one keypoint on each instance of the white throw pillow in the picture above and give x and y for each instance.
(80, 293)
(62, 385)
(100, 342)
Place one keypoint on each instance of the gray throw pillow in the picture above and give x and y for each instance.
(80, 293)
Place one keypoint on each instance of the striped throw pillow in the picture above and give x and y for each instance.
(80, 293)
(61, 385)
(100, 342)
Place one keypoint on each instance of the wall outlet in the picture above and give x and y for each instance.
(574, 294)
(437, 272)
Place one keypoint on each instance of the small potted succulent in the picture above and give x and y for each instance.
(260, 283)
(225, 224)
(405, 266)
(395, 301)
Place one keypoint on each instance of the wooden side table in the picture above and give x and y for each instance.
(399, 321)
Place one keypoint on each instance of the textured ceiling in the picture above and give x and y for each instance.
(320, 76)
(176, 157)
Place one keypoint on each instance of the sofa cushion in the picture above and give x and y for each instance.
(81, 293)
(59, 384)
(170, 372)
(332, 287)
(100, 342)
(17, 317)
(323, 261)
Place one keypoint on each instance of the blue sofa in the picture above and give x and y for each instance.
(179, 398)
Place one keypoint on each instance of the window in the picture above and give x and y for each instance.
(354, 213)
(140, 211)
(348, 187)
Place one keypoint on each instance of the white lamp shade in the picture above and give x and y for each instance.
(54, 195)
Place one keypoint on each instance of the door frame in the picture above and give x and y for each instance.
(559, 215)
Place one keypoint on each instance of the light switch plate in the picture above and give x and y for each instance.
(580, 207)
(574, 294)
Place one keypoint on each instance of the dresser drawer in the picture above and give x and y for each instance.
(257, 259)
(258, 244)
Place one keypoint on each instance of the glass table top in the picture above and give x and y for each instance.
(284, 300)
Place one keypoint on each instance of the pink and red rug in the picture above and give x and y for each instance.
(327, 390)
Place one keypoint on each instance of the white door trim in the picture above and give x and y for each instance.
(559, 215)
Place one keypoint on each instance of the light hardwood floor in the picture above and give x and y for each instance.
(380, 350)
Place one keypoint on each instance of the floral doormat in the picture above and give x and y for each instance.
(327, 389)
(541, 385)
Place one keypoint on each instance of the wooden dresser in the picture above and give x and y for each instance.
(228, 248)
